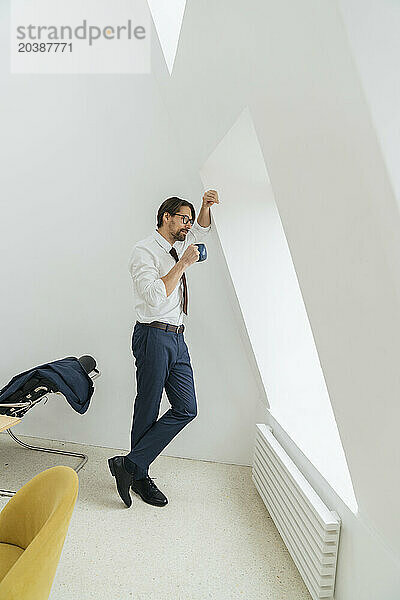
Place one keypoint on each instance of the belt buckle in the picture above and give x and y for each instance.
(169, 325)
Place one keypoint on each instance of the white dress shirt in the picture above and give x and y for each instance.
(151, 260)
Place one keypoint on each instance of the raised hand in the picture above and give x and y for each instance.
(210, 198)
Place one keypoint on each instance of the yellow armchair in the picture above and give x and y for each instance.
(33, 526)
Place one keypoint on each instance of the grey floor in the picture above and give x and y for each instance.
(214, 539)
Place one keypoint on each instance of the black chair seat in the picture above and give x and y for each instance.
(88, 363)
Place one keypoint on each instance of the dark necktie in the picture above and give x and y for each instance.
(174, 253)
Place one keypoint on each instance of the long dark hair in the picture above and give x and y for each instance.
(172, 206)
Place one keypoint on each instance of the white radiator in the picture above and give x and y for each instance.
(308, 528)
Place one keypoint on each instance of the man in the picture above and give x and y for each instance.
(158, 266)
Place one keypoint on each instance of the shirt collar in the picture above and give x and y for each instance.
(162, 241)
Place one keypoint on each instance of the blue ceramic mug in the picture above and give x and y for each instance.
(202, 251)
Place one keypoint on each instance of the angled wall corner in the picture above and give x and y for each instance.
(373, 31)
(265, 281)
(168, 17)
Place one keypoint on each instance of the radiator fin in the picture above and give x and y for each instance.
(308, 528)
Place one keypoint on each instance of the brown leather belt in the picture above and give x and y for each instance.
(165, 326)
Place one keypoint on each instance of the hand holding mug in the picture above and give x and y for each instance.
(191, 255)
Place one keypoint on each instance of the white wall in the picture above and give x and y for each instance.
(373, 28)
(85, 163)
(292, 65)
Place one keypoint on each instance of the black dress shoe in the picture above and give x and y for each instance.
(149, 492)
(123, 478)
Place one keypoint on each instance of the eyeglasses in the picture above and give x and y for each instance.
(185, 219)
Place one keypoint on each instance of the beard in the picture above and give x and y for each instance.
(180, 235)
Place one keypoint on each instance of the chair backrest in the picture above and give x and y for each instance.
(36, 519)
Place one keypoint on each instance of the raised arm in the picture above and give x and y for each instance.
(209, 198)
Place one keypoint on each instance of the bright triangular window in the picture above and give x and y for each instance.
(168, 16)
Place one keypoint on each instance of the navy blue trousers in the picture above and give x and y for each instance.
(162, 361)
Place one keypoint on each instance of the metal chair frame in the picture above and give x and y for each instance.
(24, 407)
